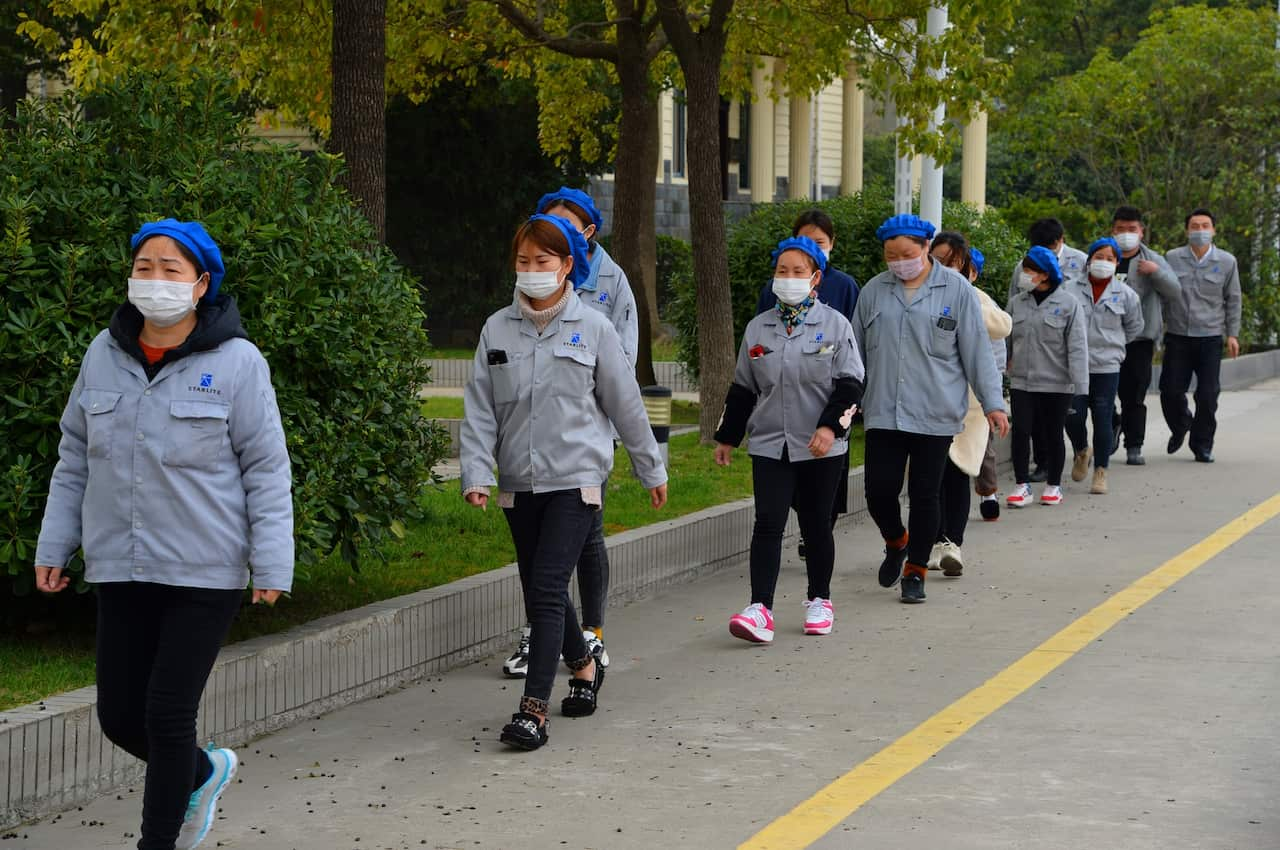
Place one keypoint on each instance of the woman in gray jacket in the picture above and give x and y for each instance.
(173, 476)
(551, 383)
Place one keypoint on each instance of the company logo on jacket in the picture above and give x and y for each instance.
(206, 385)
(575, 341)
(604, 296)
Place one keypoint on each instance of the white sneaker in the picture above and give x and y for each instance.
(204, 800)
(517, 665)
(596, 646)
(1051, 496)
(935, 557)
(754, 624)
(1020, 497)
(950, 561)
(819, 616)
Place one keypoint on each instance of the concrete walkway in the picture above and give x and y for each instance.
(1160, 734)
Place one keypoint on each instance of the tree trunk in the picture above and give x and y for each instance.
(13, 88)
(359, 130)
(635, 195)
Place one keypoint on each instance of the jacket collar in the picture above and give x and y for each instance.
(572, 312)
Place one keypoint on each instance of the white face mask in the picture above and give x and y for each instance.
(1127, 241)
(538, 285)
(792, 290)
(1102, 269)
(163, 303)
(1026, 282)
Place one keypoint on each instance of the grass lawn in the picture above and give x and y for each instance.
(450, 407)
(450, 542)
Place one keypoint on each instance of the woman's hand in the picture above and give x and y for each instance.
(51, 579)
(478, 500)
(658, 496)
(822, 441)
(724, 454)
(999, 422)
(268, 597)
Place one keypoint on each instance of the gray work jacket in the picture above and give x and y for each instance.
(540, 405)
(1114, 321)
(609, 292)
(1049, 346)
(1073, 264)
(183, 480)
(1153, 290)
(792, 377)
(1210, 302)
(922, 357)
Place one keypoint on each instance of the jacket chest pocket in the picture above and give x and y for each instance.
(766, 369)
(871, 331)
(1055, 322)
(1110, 313)
(816, 361)
(99, 408)
(574, 371)
(505, 380)
(196, 435)
(942, 340)
(1210, 284)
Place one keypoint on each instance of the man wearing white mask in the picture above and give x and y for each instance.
(1195, 325)
(1148, 274)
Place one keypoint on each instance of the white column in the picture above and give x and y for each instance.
(973, 170)
(903, 166)
(763, 183)
(851, 133)
(931, 170)
(799, 160)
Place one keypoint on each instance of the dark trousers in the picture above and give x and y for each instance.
(954, 500)
(593, 570)
(1185, 356)
(1135, 381)
(1043, 415)
(1101, 404)
(811, 486)
(887, 456)
(156, 646)
(988, 480)
(548, 530)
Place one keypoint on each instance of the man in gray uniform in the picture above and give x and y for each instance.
(1194, 326)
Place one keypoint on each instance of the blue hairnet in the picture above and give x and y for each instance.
(1044, 259)
(192, 236)
(904, 224)
(577, 247)
(574, 196)
(802, 243)
(978, 260)
(1104, 242)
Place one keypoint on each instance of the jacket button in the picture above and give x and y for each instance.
(145, 392)
(140, 437)
(137, 525)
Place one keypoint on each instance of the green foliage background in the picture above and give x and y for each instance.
(856, 251)
(337, 319)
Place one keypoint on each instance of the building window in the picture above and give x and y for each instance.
(679, 132)
(744, 144)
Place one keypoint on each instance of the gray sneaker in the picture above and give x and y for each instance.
(203, 805)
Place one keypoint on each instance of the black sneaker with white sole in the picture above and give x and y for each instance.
(990, 509)
(891, 566)
(596, 646)
(517, 665)
(912, 589)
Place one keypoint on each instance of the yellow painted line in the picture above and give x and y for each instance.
(831, 806)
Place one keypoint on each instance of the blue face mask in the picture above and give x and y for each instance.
(1199, 238)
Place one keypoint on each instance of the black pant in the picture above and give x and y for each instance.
(887, 454)
(548, 530)
(1135, 380)
(593, 570)
(156, 647)
(1101, 402)
(1043, 415)
(954, 498)
(1185, 356)
(811, 484)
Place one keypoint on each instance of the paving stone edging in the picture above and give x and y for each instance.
(53, 755)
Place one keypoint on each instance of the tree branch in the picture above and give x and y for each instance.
(580, 48)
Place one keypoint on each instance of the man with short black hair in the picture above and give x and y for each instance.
(1148, 274)
(1194, 328)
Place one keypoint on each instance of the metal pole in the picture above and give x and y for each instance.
(902, 200)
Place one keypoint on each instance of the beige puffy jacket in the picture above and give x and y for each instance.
(969, 446)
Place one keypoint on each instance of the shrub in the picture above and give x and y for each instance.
(857, 252)
(336, 318)
(675, 270)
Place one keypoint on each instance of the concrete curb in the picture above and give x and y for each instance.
(456, 373)
(53, 755)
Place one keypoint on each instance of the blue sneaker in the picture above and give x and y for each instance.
(204, 800)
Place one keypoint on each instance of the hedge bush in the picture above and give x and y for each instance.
(337, 319)
(856, 217)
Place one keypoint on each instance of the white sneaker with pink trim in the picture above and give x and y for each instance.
(754, 624)
(819, 616)
(1020, 497)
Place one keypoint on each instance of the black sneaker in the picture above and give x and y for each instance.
(891, 566)
(1135, 458)
(1175, 442)
(1039, 475)
(517, 664)
(1204, 457)
(912, 589)
(990, 509)
(581, 701)
(524, 732)
(1117, 431)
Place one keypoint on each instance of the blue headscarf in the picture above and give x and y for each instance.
(577, 247)
(574, 196)
(801, 243)
(1104, 242)
(976, 257)
(904, 224)
(1044, 259)
(192, 236)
